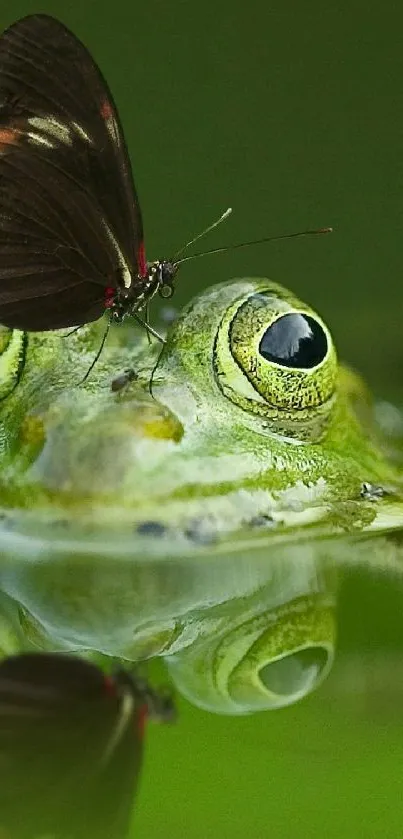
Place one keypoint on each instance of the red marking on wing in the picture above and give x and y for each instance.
(141, 720)
(141, 260)
(108, 302)
(106, 110)
(9, 137)
(110, 688)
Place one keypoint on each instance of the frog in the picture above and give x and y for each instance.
(192, 502)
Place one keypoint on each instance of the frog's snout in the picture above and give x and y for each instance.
(102, 450)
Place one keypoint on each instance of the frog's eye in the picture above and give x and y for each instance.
(269, 662)
(294, 340)
(12, 351)
(275, 357)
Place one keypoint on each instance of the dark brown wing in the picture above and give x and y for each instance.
(70, 750)
(70, 222)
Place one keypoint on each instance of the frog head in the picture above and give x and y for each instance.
(195, 508)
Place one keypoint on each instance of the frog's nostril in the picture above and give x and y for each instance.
(297, 673)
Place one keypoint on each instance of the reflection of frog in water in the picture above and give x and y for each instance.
(201, 522)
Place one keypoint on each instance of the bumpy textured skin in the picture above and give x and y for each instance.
(191, 518)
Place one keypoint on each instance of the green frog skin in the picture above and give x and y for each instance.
(199, 509)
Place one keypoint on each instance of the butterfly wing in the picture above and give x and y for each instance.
(70, 750)
(70, 221)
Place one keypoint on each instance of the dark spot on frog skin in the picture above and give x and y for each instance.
(262, 521)
(7, 523)
(122, 379)
(152, 528)
(395, 538)
(372, 492)
(62, 524)
(200, 532)
(168, 314)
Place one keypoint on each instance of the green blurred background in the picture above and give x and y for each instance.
(292, 113)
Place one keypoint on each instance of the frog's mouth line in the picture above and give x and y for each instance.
(28, 536)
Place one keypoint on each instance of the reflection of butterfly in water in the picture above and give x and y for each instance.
(71, 233)
(70, 747)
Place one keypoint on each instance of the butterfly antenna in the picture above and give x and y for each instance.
(218, 221)
(320, 232)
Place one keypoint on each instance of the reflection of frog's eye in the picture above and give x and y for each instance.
(269, 661)
(296, 673)
(275, 357)
(294, 340)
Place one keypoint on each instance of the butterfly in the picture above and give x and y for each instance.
(71, 745)
(71, 230)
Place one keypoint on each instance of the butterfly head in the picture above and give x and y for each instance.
(157, 705)
(161, 275)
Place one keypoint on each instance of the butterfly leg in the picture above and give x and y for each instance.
(149, 328)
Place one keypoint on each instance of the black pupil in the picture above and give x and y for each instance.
(294, 340)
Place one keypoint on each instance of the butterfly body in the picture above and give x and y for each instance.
(158, 278)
